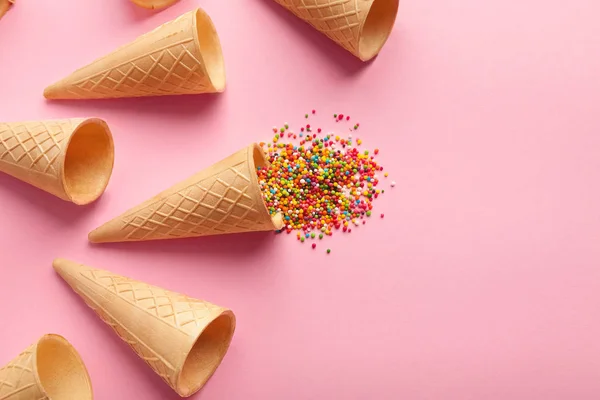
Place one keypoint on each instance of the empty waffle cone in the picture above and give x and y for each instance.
(360, 26)
(50, 369)
(70, 158)
(182, 339)
(154, 4)
(224, 198)
(179, 57)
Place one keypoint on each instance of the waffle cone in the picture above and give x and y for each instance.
(70, 158)
(154, 4)
(5, 6)
(182, 339)
(182, 56)
(360, 26)
(224, 198)
(50, 369)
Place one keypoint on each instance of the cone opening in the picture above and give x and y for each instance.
(377, 28)
(61, 371)
(210, 49)
(260, 160)
(88, 162)
(206, 354)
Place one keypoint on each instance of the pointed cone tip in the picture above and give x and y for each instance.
(97, 235)
(50, 92)
(61, 266)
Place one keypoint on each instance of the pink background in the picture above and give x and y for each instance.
(482, 281)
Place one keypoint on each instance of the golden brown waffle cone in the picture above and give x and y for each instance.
(180, 57)
(4, 7)
(70, 158)
(182, 339)
(360, 26)
(50, 369)
(224, 198)
(154, 4)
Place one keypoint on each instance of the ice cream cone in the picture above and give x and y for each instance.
(360, 26)
(50, 369)
(5, 6)
(70, 158)
(182, 339)
(180, 57)
(154, 4)
(224, 198)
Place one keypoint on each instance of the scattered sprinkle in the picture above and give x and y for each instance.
(319, 185)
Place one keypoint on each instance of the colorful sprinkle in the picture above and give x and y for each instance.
(320, 185)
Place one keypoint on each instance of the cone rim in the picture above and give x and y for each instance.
(254, 150)
(154, 4)
(214, 64)
(220, 356)
(76, 357)
(87, 198)
(382, 25)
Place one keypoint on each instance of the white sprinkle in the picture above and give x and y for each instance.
(393, 184)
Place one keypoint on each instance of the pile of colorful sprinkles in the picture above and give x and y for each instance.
(320, 184)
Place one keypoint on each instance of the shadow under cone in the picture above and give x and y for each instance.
(182, 339)
(224, 198)
(179, 57)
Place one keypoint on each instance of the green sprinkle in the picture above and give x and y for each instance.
(282, 129)
(369, 213)
(320, 236)
(328, 251)
(302, 238)
(312, 235)
(287, 126)
(334, 115)
(305, 115)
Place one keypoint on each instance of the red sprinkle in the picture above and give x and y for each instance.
(314, 245)
(381, 215)
(314, 111)
(348, 118)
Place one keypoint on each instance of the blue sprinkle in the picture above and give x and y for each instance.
(307, 235)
